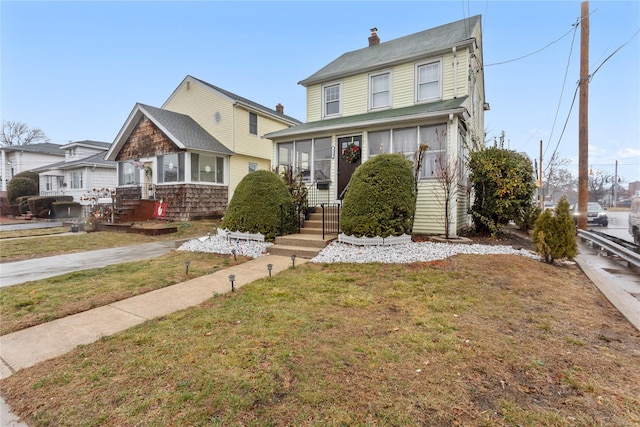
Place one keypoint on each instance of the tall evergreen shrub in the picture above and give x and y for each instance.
(555, 234)
(381, 199)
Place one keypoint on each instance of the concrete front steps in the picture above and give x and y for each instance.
(302, 245)
(308, 243)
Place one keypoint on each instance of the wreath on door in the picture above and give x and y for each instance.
(351, 154)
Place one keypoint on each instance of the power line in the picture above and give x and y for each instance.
(532, 53)
(564, 81)
(613, 53)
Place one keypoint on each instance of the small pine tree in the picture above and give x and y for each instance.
(555, 234)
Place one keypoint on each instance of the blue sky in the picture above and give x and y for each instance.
(76, 69)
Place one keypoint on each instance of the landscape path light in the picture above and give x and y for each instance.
(232, 279)
(269, 267)
(233, 251)
(293, 260)
(187, 263)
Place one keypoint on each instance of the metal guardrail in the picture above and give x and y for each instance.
(629, 256)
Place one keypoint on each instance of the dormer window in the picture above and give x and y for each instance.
(331, 95)
(429, 81)
(380, 90)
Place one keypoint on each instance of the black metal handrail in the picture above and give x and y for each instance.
(330, 218)
(290, 220)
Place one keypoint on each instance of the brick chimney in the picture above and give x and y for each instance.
(374, 40)
(280, 108)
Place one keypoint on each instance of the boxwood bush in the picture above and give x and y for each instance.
(19, 187)
(255, 206)
(381, 199)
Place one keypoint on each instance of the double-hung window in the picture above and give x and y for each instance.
(285, 156)
(428, 81)
(77, 180)
(380, 90)
(331, 100)
(253, 123)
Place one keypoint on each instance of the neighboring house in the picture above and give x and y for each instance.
(83, 171)
(20, 158)
(192, 153)
(424, 88)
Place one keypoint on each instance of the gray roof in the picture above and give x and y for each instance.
(44, 148)
(183, 130)
(96, 159)
(403, 49)
(89, 143)
(248, 102)
(395, 115)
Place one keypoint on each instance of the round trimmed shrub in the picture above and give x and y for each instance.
(256, 206)
(19, 187)
(381, 199)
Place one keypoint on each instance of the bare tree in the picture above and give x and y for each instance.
(599, 185)
(559, 181)
(18, 133)
(446, 173)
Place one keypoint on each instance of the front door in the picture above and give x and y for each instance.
(349, 158)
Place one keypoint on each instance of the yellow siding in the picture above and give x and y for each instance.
(201, 104)
(403, 85)
(354, 95)
(239, 167)
(314, 103)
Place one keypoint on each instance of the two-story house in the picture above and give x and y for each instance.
(21, 158)
(83, 171)
(193, 151)
(422, 89)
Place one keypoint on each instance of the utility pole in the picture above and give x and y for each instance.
(583, 120)
(615, 187)
(541, 193)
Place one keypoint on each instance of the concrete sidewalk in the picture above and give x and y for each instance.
(27, 347)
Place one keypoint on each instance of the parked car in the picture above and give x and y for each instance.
(634, 219)
(596, 214)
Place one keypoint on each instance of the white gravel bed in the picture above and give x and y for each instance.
(342, 252)
(409, 252)
(220, 245)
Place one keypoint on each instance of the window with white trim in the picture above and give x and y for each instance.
(302, 153)
(206, 168)
(171, 168)
(380, 90)
(405, 141)
(331, 100)
(322, 159)
(128, 174)
(77, 180)
(252, 167)
(435, 138)
(48, 182)
(285, 156)
(428, 81)
(253, 123)
(379, 142)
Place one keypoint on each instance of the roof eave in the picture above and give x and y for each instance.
(362, 124)
(422, 55)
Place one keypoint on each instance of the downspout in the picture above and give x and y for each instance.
(455, 73)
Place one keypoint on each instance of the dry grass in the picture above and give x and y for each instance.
(36, 302)
(471, 340)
